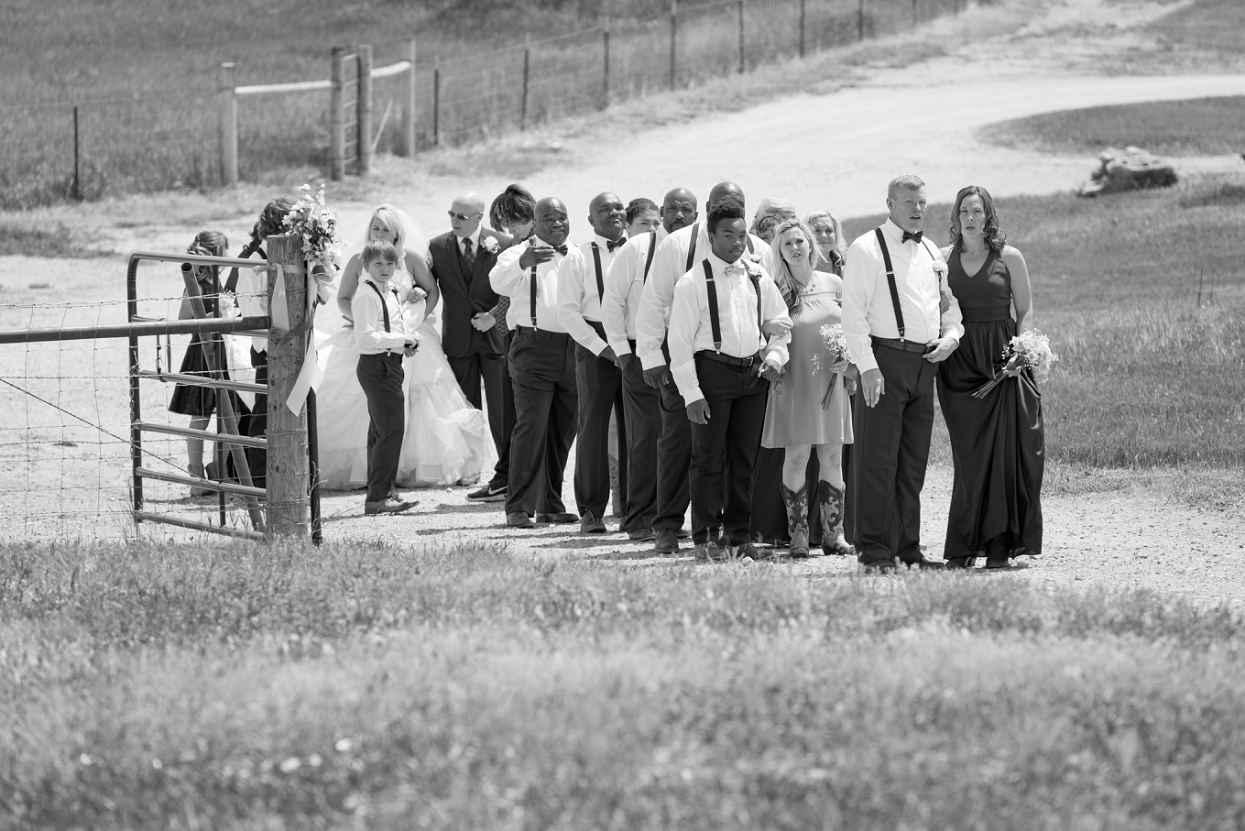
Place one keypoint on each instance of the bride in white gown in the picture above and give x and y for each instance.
(446, 440)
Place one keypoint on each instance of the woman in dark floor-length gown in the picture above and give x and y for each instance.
(996, 442)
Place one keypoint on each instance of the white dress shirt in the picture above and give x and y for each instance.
(514, 281)
(623, 286)
(367, 307)
(578, 300)
(669, 264)
(867, 306)
(691, 327)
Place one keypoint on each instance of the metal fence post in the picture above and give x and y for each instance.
(527, 67)
(77, 159)
(802, 17)
(364, 149)
(228, 102)
(605, 36)
(674, 41)
(436, 104)
(742, 54)
(337, 115)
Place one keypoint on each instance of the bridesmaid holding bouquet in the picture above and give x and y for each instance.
(997, 441)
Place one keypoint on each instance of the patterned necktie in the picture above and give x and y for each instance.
(468, 254)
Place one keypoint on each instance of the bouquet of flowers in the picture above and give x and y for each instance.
(836, 344)
(1028, 350)
(315, 224)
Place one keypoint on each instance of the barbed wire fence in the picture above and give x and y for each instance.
(88, 148)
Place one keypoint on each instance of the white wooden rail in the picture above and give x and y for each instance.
(228, 93)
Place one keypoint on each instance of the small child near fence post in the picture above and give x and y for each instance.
(382, 342)
(189, 399)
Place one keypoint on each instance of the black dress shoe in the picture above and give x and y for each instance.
(560, 519)
(954, 563)
(589, 524)
(519, 519)
(925, 565)
(879, 567)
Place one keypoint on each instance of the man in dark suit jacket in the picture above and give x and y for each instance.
(470, 336)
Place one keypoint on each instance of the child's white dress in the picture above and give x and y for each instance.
(446, 440)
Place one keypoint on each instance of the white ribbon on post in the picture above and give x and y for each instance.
(310, 373)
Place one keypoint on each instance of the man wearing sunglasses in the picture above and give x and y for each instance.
(475, 349)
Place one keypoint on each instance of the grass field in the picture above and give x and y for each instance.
(357, 687)
(1175, 128)
(148, 119)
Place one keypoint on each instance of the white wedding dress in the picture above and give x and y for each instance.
(446, 439)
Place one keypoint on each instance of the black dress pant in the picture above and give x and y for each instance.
(889, 459)
(725, 449)
(494, 371)
(674, 457)
(599, 385)
(381, 378)
(542, 369)
(643, 406)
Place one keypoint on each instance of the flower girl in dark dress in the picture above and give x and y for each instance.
(997, 441)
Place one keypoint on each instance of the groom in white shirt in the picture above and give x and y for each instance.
(897, 334)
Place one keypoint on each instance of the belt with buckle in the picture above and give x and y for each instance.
(903, 345)
(730, 360)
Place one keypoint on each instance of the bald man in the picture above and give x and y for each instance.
(619, 309)
(581, 286)
(542, 369)
(475, 349)
(676, 255)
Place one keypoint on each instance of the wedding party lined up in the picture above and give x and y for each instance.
(743, 383)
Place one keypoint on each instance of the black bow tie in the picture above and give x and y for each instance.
(616, 243)
(910, 236)
(561, 249)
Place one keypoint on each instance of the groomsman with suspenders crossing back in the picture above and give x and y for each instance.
(899, 323)
(722, 363)
(619, 310)
(581, 286)
(676, 255)
(542, 368)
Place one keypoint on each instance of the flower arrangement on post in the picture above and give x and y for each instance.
(1028, 350)
(316, 225)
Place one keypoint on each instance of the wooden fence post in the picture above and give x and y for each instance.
(337, 115)
(287, 474)
(742, 54)
(408, 120)
(77, 158)
(674, 42)
(527, 68)
(860, 21)
(605, 36)
(802, 15)
(228, 125)
(365, 109)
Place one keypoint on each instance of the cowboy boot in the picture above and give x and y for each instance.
(832, 541)
(797, 519)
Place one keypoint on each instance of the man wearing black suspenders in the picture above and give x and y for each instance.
(676, 255)
(722, 365)
(581, 287)
(897, 332)
(542, 368)
(619, 309)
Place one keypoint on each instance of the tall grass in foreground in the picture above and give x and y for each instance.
(1144, 301)
(454, 688)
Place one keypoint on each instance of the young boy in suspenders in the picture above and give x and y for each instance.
(382, 342)
(724, 307)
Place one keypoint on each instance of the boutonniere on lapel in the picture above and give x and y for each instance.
(489, 245)
(944, 290)
(940, 270)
